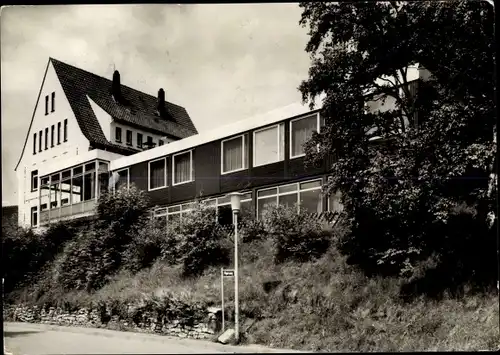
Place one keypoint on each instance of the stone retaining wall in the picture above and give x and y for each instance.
(148, 322)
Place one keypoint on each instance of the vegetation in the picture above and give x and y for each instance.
(422, 200)
(296, 290)
(418, 206)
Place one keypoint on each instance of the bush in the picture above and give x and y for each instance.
(145, 246)
(295, 236)
(25, 254)
(89, 261)
(196, 243)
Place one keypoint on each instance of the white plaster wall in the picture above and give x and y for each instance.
(76, 142)
(103, 118)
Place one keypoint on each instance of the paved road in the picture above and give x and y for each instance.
(38, 339)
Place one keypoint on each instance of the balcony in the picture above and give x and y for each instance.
(72, 193)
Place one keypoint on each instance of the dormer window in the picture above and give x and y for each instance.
(139, 140)
(118, 134)
(129, 137)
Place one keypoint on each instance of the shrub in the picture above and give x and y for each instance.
(88, 262)
(295, 236)
(123, 208)
(145, 246)
(25, 253)
(196, 242)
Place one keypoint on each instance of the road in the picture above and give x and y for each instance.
(38, 339)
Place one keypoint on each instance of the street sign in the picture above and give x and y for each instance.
(228, 273)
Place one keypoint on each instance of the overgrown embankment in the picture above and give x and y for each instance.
(296, 290)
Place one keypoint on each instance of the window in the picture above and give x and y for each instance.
(233, 154)
(150, 141)
(65, 187)
(269, 145)
(34, 180)
(34, 216)
(58, 132)
(118, 134)
(34, 143)
(66, 130)
(224, 213)
(139, 140)
(307, 196)
(55, 191)
(46, 105)
(53, 102)
(301, 130)
(182, 170)
(172, 213)
(129, 137)
(40, 137)
(160, 142)
(77, 185)
(46, 138)
(157, 174)
(89, 182)
(52, 134)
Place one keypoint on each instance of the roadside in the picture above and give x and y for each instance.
(38, 339)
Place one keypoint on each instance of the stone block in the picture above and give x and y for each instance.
(226, 336)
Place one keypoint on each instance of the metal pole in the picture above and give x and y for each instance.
(236, 301)
(222, 296)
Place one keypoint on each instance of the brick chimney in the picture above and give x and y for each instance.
(162, 112)
(116, 88)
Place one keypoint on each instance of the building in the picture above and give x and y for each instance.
(80, 123)
(262, 156)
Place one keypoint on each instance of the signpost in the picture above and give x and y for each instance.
(224, 273)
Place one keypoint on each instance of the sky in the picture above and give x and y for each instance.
(222, 62)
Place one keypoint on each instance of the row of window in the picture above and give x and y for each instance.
(128, 139)
(268, 144)
(268, 147)
(40, 137)
(182, 170)
(305, 195)
(52, 101)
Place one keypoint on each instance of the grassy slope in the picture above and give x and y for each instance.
(324, 305)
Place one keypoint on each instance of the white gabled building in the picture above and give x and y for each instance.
(81, 122)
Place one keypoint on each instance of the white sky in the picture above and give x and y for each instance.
(222, 62)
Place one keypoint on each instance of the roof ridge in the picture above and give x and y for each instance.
(103, 77)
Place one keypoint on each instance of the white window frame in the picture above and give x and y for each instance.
(278, 194)
(291, 130)
(34, 210)
(216, 205)
(243, 155)
(164, 174)
(128, 177)
(279, 140)
(191, 179)
(33, 177)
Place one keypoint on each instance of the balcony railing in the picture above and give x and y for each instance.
(81, 209)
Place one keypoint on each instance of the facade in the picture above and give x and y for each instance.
(262, 157)
(82, 120)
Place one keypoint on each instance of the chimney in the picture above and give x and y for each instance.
(161, 103)
(116, 86)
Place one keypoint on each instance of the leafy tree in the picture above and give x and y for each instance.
(407, 196)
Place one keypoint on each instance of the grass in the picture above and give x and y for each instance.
(322, 305)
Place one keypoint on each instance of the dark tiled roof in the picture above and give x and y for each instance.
(137, 108)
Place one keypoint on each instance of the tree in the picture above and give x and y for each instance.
(406, 197)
